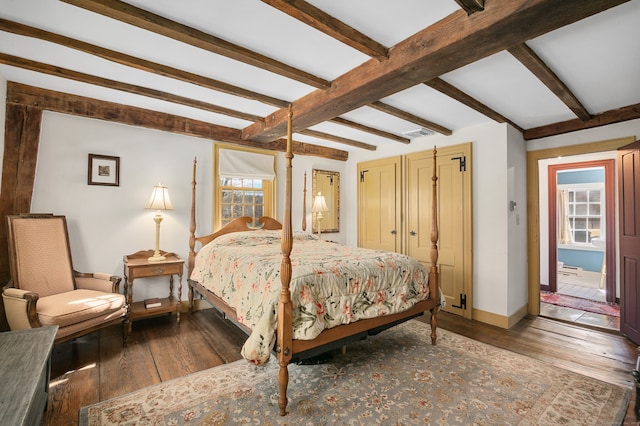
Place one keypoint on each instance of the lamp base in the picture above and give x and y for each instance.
(156, 258)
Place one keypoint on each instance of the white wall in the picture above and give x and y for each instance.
(490, 205)
(517, 276)
(107, 222)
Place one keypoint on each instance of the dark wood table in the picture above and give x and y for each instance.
(25, 363)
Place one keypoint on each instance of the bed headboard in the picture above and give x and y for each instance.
(241, 224)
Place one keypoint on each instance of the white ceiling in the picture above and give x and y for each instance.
(598, 58)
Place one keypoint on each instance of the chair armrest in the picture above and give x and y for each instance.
(20, 308)
(98, 281)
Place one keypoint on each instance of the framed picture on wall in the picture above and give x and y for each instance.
(104, 170)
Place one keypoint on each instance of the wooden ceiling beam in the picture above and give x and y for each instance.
(335, 28)
(325, 23)
(529, 59)
(449, 44)
(396, 112)
(338, 139)
(137, 63)
(300, 148)
(460, 96)
(149, 21)
(66, 103)
(40, 67)
(137, 90)
(362, 127)
(631, 112)
(143, 65)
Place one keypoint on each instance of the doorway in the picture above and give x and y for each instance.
(582, 270)
(537, 208)
(582, 229)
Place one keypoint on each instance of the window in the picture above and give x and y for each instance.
(242, 197)
(584, 212)
(244, 184)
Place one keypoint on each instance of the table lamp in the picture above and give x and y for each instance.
(159, 201)
(319, 206)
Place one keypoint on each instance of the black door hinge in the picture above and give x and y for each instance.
(463, 163)
(362, 175)
(463, 302)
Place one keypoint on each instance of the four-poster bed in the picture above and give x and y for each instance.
(306, 316)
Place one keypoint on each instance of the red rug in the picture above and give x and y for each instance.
(579, 303)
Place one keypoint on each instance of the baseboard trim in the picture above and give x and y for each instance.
(518, 315)
(501, 321)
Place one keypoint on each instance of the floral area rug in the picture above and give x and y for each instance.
(393, 378)
(579, 303)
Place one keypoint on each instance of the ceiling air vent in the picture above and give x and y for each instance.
(422, 131)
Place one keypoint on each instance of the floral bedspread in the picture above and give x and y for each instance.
(331, 284)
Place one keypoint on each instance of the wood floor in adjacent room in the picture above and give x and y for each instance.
(96, 367)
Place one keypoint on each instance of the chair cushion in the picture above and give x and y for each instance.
(81, 328)
(76, 306)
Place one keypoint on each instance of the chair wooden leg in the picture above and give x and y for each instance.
(125, 330)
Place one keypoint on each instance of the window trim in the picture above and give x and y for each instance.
(268, 185)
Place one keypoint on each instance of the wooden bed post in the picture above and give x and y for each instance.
(433, 273)
(192, 233)
(304, 203)
(285, 325)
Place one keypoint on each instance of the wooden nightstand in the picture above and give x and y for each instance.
(137, 265)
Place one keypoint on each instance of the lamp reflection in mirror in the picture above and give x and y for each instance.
(159, 201)
(319, 206)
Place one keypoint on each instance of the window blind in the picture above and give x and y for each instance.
(243, 164)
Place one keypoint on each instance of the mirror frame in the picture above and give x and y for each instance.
(335, 206)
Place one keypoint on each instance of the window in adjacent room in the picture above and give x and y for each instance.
(584, 216)
(244, 184)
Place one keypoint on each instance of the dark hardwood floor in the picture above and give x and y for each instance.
(96, 367)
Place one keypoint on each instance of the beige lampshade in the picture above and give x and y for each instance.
(159, 199)
(319, 204)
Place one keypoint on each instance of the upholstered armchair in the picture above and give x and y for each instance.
(45, 289)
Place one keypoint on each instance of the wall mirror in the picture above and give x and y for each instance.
(327, 183)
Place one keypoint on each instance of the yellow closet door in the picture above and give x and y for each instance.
(454, 220)
(379, 204)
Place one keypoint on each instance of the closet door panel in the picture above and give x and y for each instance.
(453, 216)
(379, 203)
